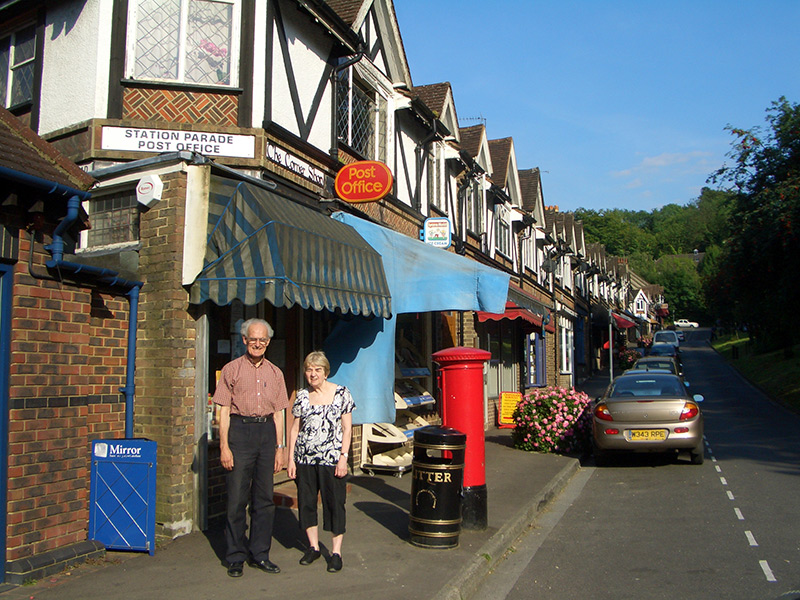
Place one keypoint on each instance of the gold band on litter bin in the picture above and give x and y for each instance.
(438, 446)
(436, 521)
(431, 535)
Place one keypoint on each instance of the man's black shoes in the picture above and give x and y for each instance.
(310, 556)
(265, 565)
(235, 569)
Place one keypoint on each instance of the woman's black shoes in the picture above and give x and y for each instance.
(335, 564)
(310, 556)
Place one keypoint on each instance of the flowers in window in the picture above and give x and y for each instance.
(216, 57)
(552, 419)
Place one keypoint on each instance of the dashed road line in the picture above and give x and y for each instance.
(767, 571)
(770, 576)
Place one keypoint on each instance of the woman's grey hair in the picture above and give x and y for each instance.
(250, 322)
(318, 359)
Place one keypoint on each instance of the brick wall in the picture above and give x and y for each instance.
(179, 106)
(165, 362)
(68, 357)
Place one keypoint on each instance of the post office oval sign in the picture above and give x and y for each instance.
(364, 181)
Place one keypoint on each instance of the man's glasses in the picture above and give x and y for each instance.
(257, 341)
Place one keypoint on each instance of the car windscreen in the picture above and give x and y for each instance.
(647, 385)
(666, 365)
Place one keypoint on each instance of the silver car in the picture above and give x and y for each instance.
(647, 412)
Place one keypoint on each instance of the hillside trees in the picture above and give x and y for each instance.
(757, 281)
(660, 245)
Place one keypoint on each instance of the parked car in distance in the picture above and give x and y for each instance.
(647, 412)
(663, 349)
(681, 335)
(658, 363)
(686, 323)
(666, 336)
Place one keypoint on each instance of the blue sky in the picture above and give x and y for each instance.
(621, 104)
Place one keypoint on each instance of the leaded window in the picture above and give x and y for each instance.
(17, 62)
(360, 117)
(185, 41)
(114, 219)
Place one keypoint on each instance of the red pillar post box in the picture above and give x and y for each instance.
(461, 385)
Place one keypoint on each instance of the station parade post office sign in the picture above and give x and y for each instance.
(141, 139)
(364, 181)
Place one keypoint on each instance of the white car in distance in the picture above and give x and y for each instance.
(685, 323)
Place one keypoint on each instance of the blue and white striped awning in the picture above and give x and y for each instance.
(261, 246)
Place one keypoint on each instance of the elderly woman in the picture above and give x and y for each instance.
(318, 443)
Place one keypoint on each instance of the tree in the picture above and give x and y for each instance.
(759, 257)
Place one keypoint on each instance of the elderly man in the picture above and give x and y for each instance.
(252, 396)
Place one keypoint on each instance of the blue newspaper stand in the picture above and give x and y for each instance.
(123, 494)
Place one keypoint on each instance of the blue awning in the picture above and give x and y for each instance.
(421, 278)
(261, 246)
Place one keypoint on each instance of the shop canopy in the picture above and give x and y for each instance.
(421, 279)
(623, 321)
(513, 312)
(261, 246)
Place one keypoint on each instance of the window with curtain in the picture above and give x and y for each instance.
(535, 360)
(184, 41)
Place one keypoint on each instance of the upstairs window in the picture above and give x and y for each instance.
(475, 207)
(114, 220)
(434, 179)
(17, 61)
(503, 232)
(361, 115)
(184, 41)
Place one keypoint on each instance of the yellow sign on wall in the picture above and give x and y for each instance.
(508, 402)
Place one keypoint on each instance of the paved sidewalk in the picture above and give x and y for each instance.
(379, 562)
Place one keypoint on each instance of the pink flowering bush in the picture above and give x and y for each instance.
(627, 357)
(553, 419)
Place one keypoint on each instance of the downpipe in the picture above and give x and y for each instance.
(107, 278)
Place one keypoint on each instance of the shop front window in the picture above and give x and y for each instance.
(536, 375)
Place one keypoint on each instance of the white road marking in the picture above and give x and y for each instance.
(739, 514)
(730, 495)
(750, 538)
(767, 571)
(723, 481)
(717, 467)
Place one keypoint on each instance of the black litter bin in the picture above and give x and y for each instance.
(437, 476)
